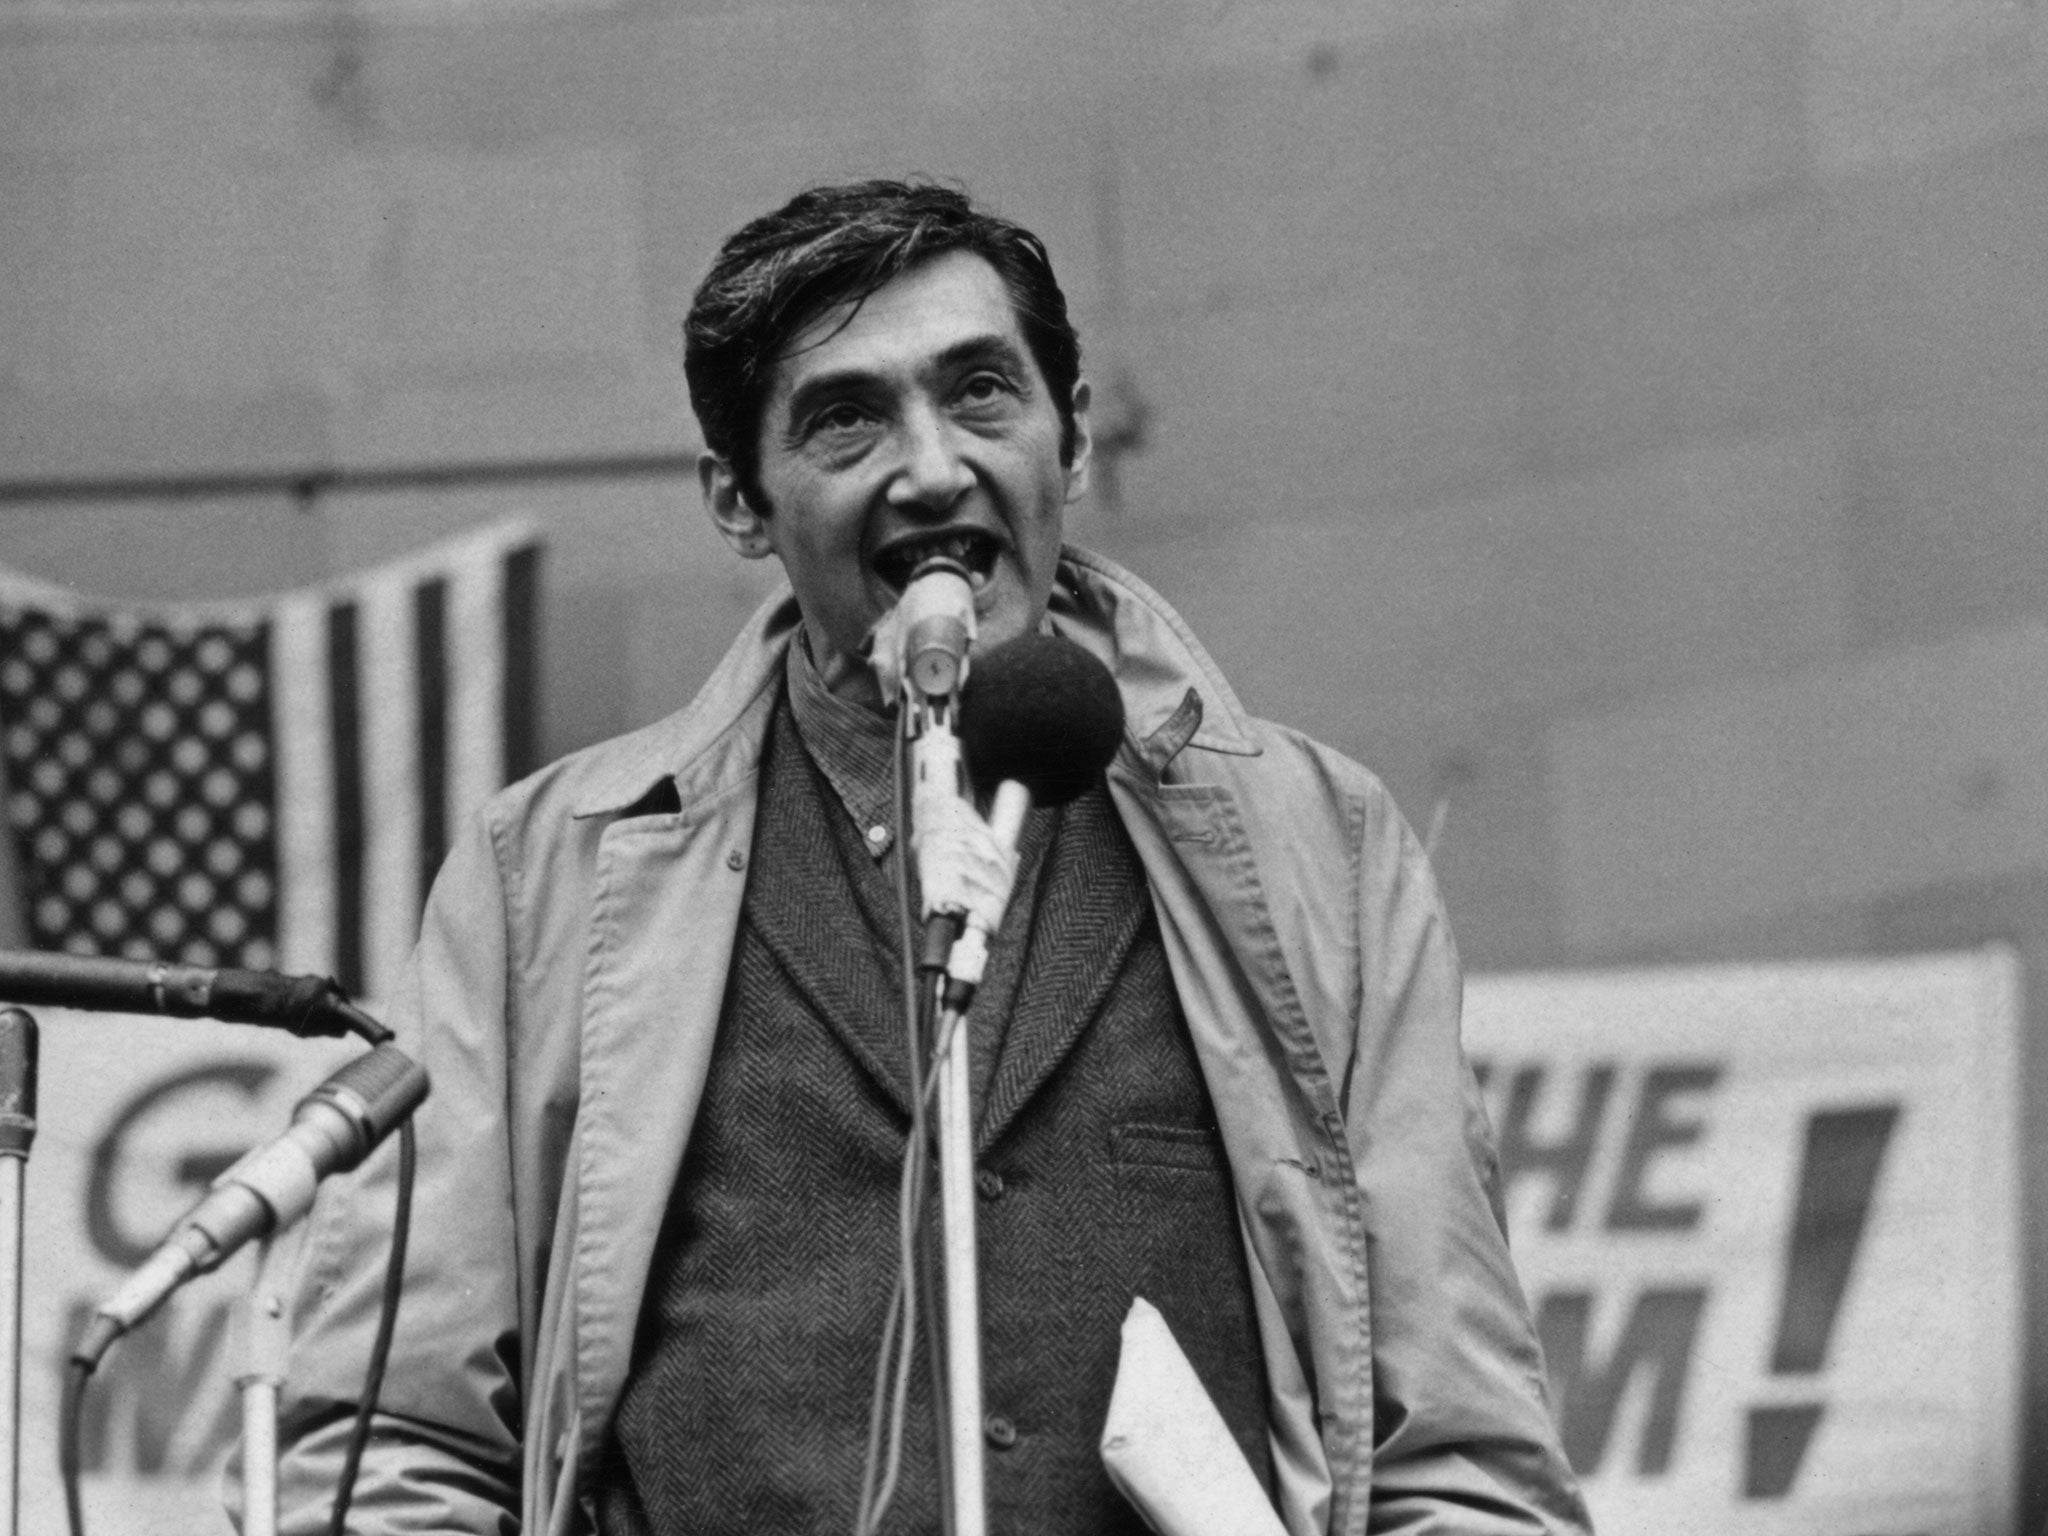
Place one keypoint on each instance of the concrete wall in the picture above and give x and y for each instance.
(1508, 369)
(1622, 425)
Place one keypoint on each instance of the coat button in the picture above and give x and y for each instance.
(989, 1182)
(1001, 1433)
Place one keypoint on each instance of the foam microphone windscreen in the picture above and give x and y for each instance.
(1042, 711)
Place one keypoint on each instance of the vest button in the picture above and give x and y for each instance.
(1001, 1433)
(989, 1182)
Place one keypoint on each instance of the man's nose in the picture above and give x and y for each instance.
(933, 473)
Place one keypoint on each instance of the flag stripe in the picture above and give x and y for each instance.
(476, 682)
(391, 775)
(345, 729)
(430, 650)
(522, 661)
(264, 845)
(300, 707)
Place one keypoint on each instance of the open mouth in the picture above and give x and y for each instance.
(974, 549)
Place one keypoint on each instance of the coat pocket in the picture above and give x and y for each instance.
(1199, 1149)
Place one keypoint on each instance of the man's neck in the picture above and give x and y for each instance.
(853, 743)
(846, 677)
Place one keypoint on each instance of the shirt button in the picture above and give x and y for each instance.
(735, 860)
(1001, 1433)
(989, 1182)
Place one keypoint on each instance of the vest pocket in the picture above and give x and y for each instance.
(1196, 1148)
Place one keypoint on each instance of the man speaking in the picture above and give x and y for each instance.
(1214, 1056)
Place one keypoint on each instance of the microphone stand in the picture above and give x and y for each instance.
(923, 646)
(957, 1192)
(269, 1341)
(923, 651)
(963, 1279)
(17, 1132)
(1052, 692)
(937, 775)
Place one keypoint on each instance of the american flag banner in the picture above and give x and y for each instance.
(268, 782)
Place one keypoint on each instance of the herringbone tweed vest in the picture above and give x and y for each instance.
(1101, 1173)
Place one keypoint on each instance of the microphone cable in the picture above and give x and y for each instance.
(1043, 712)
(894, 1358)
(387, 1306)
(78, 1371)
(387, 1325)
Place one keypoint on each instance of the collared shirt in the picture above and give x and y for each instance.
(853, 746)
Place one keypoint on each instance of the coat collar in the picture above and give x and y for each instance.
(1174, 697)
(1154, 657)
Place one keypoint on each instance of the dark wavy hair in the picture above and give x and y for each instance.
(838, 244)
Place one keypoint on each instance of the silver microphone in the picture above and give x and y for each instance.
(333, 1129)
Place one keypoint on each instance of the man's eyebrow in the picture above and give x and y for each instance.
(989, 348)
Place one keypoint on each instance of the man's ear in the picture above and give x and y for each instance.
(742, 527)
(1084, 441)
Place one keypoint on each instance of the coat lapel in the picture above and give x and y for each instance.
(1088, 912)
(664, 912)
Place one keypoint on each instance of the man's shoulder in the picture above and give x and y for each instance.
(1291, 774)
(1158, 659)
(670, 762)
(1283, 749)
(573, 782)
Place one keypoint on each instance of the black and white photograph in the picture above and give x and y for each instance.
(1047, 768)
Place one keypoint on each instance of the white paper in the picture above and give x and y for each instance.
(1167, 1448)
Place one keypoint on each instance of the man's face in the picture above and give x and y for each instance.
(921, 425)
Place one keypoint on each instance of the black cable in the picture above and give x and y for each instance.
(907, 1322)
(387, 1324)
(934, 1322)
(69, 1414)
(363, 1025)
(878, 1475)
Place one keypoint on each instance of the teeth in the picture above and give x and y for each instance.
(957, 546)
(973, 549)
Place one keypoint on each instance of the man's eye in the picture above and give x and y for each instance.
(978, 388)
(842, 418)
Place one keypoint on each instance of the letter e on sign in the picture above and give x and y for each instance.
(1661, 1123)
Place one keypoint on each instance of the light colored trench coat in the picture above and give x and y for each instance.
(566, 991)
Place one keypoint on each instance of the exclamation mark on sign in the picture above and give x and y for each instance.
(1844, 1151)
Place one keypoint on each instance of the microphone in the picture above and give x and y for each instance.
(333, 1129)
(936, 618)
(1039, 722)
(921, 652)
(306, 1005)
(936, 615)
(1041, 712)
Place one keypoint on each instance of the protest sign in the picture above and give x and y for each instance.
(1766, 1218)
(136, 1116)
